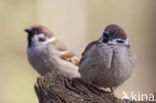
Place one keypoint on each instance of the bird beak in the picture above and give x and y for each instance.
(102, 39)
(28, 30)
(106, 34)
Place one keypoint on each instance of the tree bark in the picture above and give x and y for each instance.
(55, 88)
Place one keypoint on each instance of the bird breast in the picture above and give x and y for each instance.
(39, 58)
(107, 65)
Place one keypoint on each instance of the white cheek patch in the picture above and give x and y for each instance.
(41, 36)
(52, 39)
(127, 41)
(34, 39)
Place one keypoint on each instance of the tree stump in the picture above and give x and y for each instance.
(55, 88)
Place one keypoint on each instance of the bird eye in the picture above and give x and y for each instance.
(42, 39)
(115, 36)
(36, 31)
(120, 41)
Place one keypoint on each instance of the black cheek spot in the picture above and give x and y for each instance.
(120, 41)
(42, 39)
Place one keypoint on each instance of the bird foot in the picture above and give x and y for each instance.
(113, 95)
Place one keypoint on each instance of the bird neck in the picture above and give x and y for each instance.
(52, 39)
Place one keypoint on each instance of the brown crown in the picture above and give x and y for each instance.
(116, 29)
(44, 29)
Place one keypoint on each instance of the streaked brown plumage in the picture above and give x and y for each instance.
(46, 53)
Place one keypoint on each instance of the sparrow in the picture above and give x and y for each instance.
(48, 54)
(108, 61)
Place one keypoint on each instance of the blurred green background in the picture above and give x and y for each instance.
(75, 22)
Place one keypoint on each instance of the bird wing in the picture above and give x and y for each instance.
(65, 53)
(84, 54)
